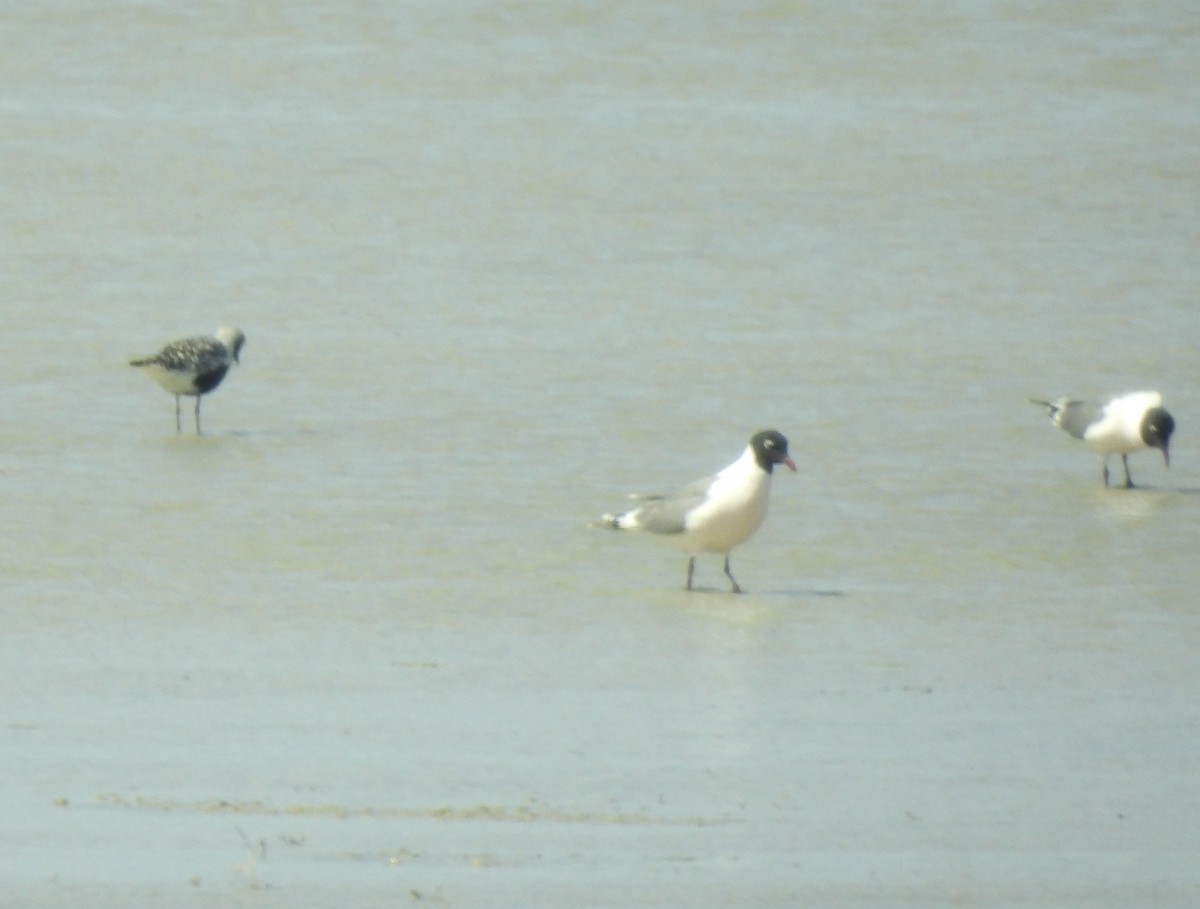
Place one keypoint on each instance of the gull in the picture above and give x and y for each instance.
(193, 366)
(1121, 425)
(717, 513)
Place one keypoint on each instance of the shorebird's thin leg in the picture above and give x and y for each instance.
(1105, 463)
(197, 414)
(178, 423)
(1128, 478)
(691, 571)
(729, 575)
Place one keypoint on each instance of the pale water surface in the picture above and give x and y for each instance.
(502, 263)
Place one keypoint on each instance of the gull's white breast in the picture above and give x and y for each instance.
(1119, 431)
(732, 511)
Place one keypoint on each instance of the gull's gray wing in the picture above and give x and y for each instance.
(1074, 417)
(668, 514)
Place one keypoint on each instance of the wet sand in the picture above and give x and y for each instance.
(499, 266)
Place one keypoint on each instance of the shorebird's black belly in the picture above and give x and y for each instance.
(207, 381)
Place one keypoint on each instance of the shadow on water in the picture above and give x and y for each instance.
(1152, 488)
(803, 593)
(270, 433)
(748, 594)
(212, 436)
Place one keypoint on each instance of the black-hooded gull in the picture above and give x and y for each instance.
(1121, 425)
(717, 513)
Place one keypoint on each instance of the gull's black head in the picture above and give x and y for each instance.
(770, 448)
(1157, 426)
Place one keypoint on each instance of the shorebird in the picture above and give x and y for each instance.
(193, 366)
(1121, 425)
(717, 513)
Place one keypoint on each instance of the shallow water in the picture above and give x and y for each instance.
(500, 265)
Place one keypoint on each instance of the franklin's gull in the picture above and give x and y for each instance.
(716, 513)
(1121, 425)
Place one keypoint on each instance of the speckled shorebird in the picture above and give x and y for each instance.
(193, 366)
(1122, 425)
(717, 513)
